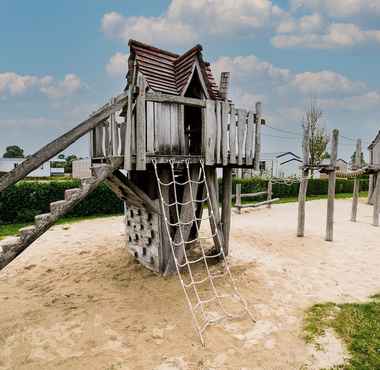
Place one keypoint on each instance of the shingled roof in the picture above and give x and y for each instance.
(375, 141)
(170, 73)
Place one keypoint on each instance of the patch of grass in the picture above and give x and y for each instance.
(12, 229)
(357, 324)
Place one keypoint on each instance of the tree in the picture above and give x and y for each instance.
(69, 163)
(362, 160)
(318, 138)
(13, 151)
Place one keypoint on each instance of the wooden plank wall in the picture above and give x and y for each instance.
(228, 135)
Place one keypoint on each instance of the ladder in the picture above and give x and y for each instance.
(202, 292)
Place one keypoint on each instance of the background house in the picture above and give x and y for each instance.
(8, 164)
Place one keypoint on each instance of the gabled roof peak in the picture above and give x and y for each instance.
(169, 72)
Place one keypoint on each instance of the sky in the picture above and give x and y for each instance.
(59, 61)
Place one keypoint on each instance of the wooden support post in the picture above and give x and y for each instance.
(166, 255)
(331, 189)
(303, 184)
(258, 136)
(376, 201)
(355, 195)
(214, 206)
(269, 196)
(370, 188)
(226, 206)
(238, 197)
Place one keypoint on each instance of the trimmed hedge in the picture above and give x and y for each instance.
(315, 187)
(21, 202)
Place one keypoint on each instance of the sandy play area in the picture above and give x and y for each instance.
(77, 300)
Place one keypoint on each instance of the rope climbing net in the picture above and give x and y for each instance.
(200, 291)
(282, 180)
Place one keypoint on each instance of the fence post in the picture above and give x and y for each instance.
(269, 197)
(331, 189)
(355, 195)
(238, 197)
(376, 200)
(258, 137)
(303, 184)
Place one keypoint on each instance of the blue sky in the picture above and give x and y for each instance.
(60, 60)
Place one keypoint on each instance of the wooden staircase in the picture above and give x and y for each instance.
(11, 247)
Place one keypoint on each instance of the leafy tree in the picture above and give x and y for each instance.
(13, 151)
(69, 163)
(61, 156)
(318, 138)
(362, 160)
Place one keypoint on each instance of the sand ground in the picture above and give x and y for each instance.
(76, 299)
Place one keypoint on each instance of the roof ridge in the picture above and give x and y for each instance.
(151, 47)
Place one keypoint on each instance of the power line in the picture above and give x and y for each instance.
(281, 137)
(285, 131)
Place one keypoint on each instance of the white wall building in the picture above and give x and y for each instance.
(8, 164)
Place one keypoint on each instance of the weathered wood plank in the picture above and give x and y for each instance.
(269, 192)
(225, 114)
(258, 204)
(226, 207)
(303, 184)
(249, 142)
(238, 197)
(166, 98)
(218, 147)
(233, 135)
(331, 187)
(209, 132)
(376, 201)
(258, 136)
(150, 127)
(174, 133)
(140, 125)
(213, 206)
(241, 127)
(183, 147)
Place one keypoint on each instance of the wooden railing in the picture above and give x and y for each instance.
(155, 126)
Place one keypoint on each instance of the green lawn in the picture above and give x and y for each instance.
(357, 324)
(12, 229)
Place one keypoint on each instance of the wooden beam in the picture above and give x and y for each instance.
(258, 136)
(259, 204)
(376, 200)
(226, 207)
(58, 145)
(166, 98)
(355, 195)
(238, 197)
(141, 125)
(331, 187)
(304, 182)
(269, 197)
(214, 207)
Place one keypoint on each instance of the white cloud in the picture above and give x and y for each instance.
(118, 65)
(59, 89)
(336, 35)
(325, 82)
(154, 30)
(243, 66)
(185, 21)
(14, 84)
(339, 8)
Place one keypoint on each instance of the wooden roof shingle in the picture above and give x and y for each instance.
(168, 72)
